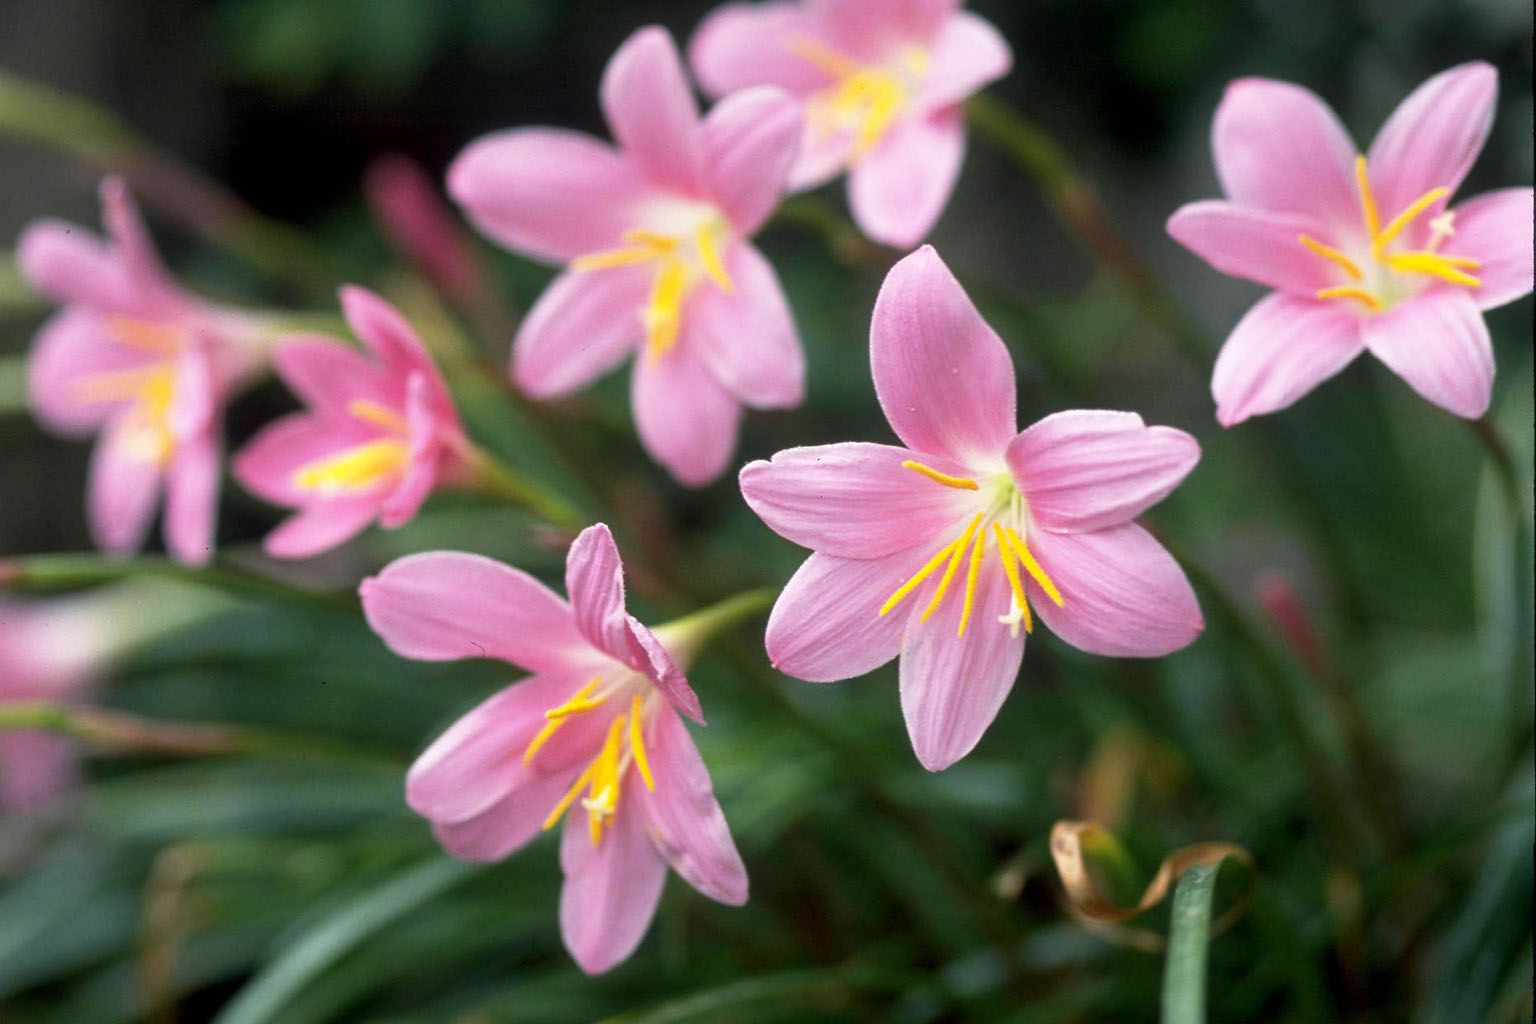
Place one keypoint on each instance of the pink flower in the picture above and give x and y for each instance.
(421, 227)
(593, 737)
(1364, 252)
(654, 235)
(147, 365)
(942, 548)
(379, 435)
(882, 82)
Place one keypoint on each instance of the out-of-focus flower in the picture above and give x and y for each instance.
(420, 225)
(379, 434)
(882, 82)
(593, 737)
(147, 365)
(1365, 253)
(654, 235)
(943, 549)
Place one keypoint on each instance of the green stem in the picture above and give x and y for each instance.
(1188, 936)
(490, 476)
(685, 636)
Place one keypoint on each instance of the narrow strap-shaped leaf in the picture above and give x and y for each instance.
(1189, 933)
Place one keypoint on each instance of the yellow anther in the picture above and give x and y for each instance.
(1328, 252)
(1036, 572)
(378, 415)
(1401, 221)
(160, 339)
(963, 483)
(627, 256)
(1435, 265)
(355, 469)
(865, 99)
(1367, 198)
(949, 570)
(1014, 584)
(579, 702)
(1370, 301)
(637, 741)
(918, 577)
(709, 256)
(663, 314)
(971, 573)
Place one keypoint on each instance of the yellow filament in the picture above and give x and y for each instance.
(378, 415)
(627, 256)
(604, 793)
(569, 798)
(971, 573)
(1328, 252)
(962, 483)
(866, 98)
(664, 312)
(1012, 570)
(918, 577)
(1380, 242)
(580, 702)
(1036, 572)
(1435, 265)
(1367, 198)
(1359, 294)
(823, 57)
(142, 334)
(709, 255)
(355, 469)
(637, 742)
(949, 570)
(115, 385)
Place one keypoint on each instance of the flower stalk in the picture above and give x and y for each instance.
(490, 476)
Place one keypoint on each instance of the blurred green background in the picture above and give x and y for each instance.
(1385, 790)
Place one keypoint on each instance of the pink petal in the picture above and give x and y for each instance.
(899, 189)
(547, 192)
(952, 686)
(651, 111)
(267, 465)
(746, 337)
(322, 526)
(853, 500)
(750, 142)
(446, 605)
(1439, 344)
(1255, 245)
(648, 655)
(123, 491)
(873, 27)
(192, 498)
(823, 156)
(594, 582)
(427, 435)
(506, 825)
(328, 375)
(1088, 469)
(1495, 228)
(385, 330)
(967, 55)
(687, 825)
(686, 420)
(1278, 147)
(745, 44)
(1123, 595)
(942, 374)
(1282, 349)
(140, 262)
(69, 265)
(1434, 136)
(71, 347)
(580, 328)
(611, 889)
(826, 624)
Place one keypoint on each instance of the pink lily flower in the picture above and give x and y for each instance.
(882, 83)
(137, 359)
(943, 549)
(1365, 253)
(380, 433)
(594, 737)
(654, 235)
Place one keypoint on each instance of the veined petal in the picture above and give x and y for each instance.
(73, 346)
(747, 337)
(1434, 136)
(580, 328)
(1255, 245)
(327, 375)
(941, 373)
(1495, 229)
(853, 500)
(899, 189)
(122, 494)
(952, 686)
(826, 624)
(685, 419)
(1439, 344)
(751, 139)
(652, 113)
(322, 526)
(446, 605)
(1088, 469)
(1123, 595)
(1282, 349)
(611, 888)
(507, 825)
(648, 655)
(594, 582)
(1278, 147)
(968, 53)
(687, 825)
(740, 45)
(551, 193)
(192, 498)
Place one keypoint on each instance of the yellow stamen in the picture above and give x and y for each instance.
(709, 255)
(1036, 572)
(663, 314)
(355, 469)
(826, 59)
(1401, 221)
(1328, 252)
(115, 385)
(949, 570)
(604, 794)
(962, 483)
(1359, 294)
(627, 256)
(1013, 577)
(160, 339)
(971, 573)
(378, 415)
(1367, 198)
(569, 798)
(1435, 266)
(580, 702)
(921, 574)
(637, 742)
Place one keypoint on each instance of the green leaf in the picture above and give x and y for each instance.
(1189, 932)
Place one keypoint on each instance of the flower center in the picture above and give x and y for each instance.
(623, 746)
(862, 101)
(685, 252)
(151, 388)
(1381, 277)
(1003, 509)
(362, 466)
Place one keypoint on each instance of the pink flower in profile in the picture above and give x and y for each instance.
(882, 82)
(944, 548)
(148, 366)
(379, 434)
(1365, 253)
(654, 235)
(413, 214)
(594, 737)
